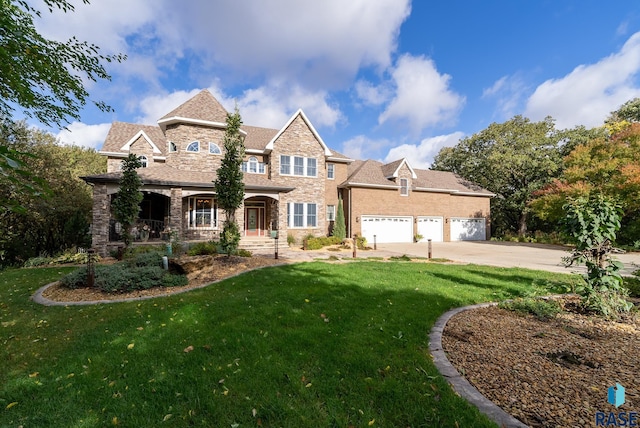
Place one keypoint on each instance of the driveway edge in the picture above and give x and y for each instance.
(457, 381)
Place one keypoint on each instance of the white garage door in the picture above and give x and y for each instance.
(430, 228)
(468, 229)
(387, 229)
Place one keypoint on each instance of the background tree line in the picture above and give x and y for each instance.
(535, 169)
(46, 207)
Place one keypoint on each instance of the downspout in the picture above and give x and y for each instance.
(350, 219)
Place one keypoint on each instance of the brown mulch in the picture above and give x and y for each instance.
(215, 269)
(546, 373)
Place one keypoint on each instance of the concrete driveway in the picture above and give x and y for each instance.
(503, 254)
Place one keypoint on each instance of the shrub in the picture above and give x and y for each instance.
(361, 242)
(243, 253)
(203, 249)
(291, 240)
(318, 242)
(145, 259)
(542, 309)
(142, 272)
(76, 279)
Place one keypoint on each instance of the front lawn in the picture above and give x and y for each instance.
(306, 345)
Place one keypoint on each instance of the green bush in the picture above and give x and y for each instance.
(203, 249)
(140, 273)
(145, 259)
(243, 253)
(71, 256)
(318, 242)
(291, 240)
(361, 242)
(76, 279)
(542, 309)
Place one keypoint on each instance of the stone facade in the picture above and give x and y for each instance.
(185, 179)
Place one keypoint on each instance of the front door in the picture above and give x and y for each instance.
(253, 222)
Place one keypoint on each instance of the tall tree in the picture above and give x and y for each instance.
(603, 165)
(511, 159)
(340, 229)
(627, 112)
(126, 203)
(57, 219)
(228, 183)
(45, 78)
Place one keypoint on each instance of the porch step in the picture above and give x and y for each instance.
(257, 244)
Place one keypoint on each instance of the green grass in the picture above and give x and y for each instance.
(263, 352)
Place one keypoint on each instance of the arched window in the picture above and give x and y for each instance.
(253, 165)
(144, 161)
(214, 149)
(194, 147)
(172, 147)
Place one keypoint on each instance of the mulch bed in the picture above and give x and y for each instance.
(546, 373)
(214, 269)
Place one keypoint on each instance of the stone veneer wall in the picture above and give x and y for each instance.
(101, 216)
(298, 140)
(183, 135)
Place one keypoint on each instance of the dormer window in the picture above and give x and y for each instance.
(404, 187)
(144, 161)
(252, 166)
(214, 149)
(194, 147)
(172, 147)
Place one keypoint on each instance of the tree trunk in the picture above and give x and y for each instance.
(522, 224)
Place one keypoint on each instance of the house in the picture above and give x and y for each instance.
(292, 180)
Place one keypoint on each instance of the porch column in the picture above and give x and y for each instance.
(101, 215)
(175, 211)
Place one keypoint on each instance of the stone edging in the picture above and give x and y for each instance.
(457, 381)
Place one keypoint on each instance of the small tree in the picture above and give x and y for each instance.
(228, 183)
(592, 222)
(126, 204)
(339, 228)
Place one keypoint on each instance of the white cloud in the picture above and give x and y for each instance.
(509, 92)
(423, 97)
(320, 43)
(371, 94)
(362, 147)
(589, 93)
(80, 134)
(421, 155)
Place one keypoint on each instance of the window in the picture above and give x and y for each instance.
(330, 171)
(331, 213)
(194, 147)
(252, 166)
(214, 149)
(172, 147)
(311, 167)
(311, 215)
(285, 165)
(144, 161)
(202, 212)
(301, 166)
(302, 215)
(298, 166)
(404, 187)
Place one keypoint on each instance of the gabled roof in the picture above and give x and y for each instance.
(257, 138)
(301, 114)
(391, 170)
(128, 132)
(375, 174)
(202, 109)
(140, 134)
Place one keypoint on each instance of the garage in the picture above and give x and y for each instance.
(430, 228)
(387, 229)
(468, 229)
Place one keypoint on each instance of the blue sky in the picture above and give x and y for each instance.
(379, 79)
